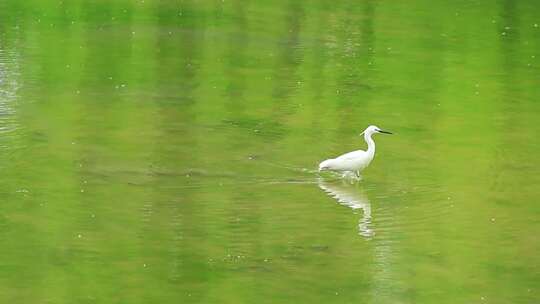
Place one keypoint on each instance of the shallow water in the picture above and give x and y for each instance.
(160, 152)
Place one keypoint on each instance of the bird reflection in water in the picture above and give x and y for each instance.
(354, 197)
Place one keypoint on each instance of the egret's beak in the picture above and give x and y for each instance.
(385, 132)
(361, 133)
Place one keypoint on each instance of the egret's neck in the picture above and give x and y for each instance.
(370, 144)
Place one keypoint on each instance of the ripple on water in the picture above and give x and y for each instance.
(391, 213)
(417, 211)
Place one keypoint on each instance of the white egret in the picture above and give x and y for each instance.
(355, 161)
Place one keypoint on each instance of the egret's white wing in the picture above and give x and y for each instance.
(352, 155)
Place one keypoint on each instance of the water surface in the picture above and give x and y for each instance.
(164, 152)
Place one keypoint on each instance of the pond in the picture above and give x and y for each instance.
(167, 151)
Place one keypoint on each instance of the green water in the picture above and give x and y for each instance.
(163, 151)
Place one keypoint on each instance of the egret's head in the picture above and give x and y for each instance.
(374, 129)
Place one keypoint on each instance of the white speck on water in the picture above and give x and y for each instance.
(78, 92)
(476, 93)
(506, 27)
(133, 33)
(93, 215)
(493, 219)
(482, 298)
(533, 56)
(503, 33)
(536, 25)
(82, 190)
(79, 236)
(22, 191)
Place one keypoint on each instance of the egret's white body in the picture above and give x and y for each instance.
(355, 161)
